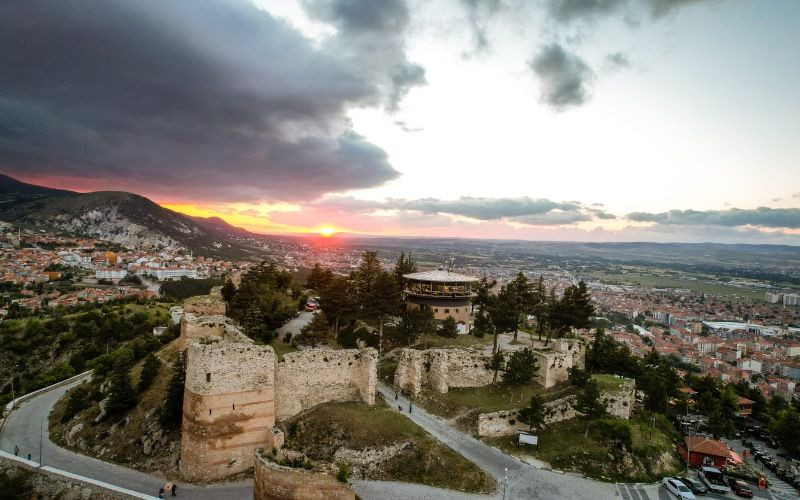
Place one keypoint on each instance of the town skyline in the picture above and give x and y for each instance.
(601, 121)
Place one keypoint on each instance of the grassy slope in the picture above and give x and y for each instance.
(321, 431)
(564, 446)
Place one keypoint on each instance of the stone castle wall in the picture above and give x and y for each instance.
(440, 369)
(619, 404)
(307, 378)
(205, 305)
(228, 407)
(275, 482)
(196, 327)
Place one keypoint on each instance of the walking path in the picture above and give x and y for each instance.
(523, 481)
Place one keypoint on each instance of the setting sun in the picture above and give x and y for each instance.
(326, 231)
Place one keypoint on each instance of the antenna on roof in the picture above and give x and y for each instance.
(450, 263)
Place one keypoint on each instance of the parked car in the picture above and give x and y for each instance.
(696, 486)
(740, 488)
(713, 480)
(677, 488)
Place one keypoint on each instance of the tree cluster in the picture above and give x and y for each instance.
(261, 303)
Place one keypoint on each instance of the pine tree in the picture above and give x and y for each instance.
(228, 290)
(316, 330)
(533, 414)
(496, 363)
(121, 395)
(149, 372)
(449, 328)
(588, 403)
(172, 412)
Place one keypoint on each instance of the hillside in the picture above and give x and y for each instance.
(120, 217)
(14, 192)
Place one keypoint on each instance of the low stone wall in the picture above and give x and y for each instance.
(205, 305)
(307, 378)
(196, 327)
(228, 408)
(506, 423)
(440, 369)
(275, 482)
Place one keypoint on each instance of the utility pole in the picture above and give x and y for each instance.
(41, 438)
(505, 483)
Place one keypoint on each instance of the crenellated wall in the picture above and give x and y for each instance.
(618, 404)
(228, 407)
(276, 482)
(307, 378)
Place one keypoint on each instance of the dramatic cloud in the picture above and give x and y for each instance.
(523, 210)
(371, 34)
(213, 99)
(564, 77)
(762, 216)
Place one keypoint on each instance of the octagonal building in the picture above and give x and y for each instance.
(445, 292)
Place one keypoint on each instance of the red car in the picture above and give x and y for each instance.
(740, 488)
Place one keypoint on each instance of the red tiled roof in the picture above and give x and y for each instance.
(708, 447)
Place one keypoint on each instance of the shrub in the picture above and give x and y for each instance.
(343, 474)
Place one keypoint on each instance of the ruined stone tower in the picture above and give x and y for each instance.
(228, 407)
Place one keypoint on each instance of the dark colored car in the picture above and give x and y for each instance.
(740, 488)
(696, 486)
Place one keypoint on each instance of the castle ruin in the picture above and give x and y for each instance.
(441, 369)
(235, 390)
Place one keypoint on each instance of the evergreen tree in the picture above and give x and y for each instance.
(533, 414)
(149, 372)
(449, 328)
(366, 278)
(228, 290)
(414, 322)
(579, 378)
(336, 298)
(383, 300)
(503, 312)
(540, 305)
(316, 330)
(496, 363)
(121, 393)
(588, 403)
(520, 368)
(172, 412)
(483, 325)
(318, 277)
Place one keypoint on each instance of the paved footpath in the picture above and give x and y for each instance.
(524, 481)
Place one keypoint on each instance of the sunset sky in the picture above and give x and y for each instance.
(600, 120)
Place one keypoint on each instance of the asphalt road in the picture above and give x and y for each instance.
(523, 481)
(295, 324)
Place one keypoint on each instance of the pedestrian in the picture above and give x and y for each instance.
(174, 490)
(161, 493)
(16, 450)
(400, 408)
(29, 456)
(409, 407)
(396, 397)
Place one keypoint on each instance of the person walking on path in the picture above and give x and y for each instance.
(16, 450)
(409, 407)
(174, 490)
(161, 493)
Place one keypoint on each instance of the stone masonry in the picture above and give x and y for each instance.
(618, 404)
(441, 369)
(307, 378)
(235, 390)
(276, 482)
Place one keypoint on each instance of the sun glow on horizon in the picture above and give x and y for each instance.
(327, 231)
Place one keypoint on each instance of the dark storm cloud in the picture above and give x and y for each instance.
(212, 99)
(371, 33)
(522, 210)
(564, 77)
(734, 217)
